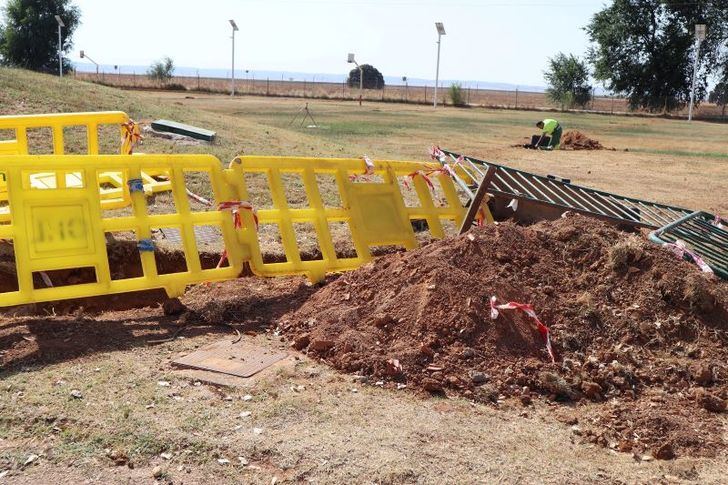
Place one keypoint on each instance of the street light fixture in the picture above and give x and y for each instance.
(232, 71)
(440, 32)
(60, 45)
(85, 56)
(351, 60)
(700, 31)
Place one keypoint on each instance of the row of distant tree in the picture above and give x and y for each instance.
(642, 49)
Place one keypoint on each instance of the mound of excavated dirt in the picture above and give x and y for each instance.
(632, 328)
(576, 140)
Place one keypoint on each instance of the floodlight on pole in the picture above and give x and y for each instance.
(232, 71)
(85, 56)
(60, 45)
(352, 60)
(700, 32)
(440, 32)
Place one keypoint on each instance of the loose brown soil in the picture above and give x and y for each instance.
(632, 327)
(576, 140)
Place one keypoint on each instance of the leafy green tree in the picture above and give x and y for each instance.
(719, 95)
(373, 79)
(161, 70)
(568, 81)
(644, 49)
(29, 34)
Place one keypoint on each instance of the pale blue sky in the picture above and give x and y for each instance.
(489, 40)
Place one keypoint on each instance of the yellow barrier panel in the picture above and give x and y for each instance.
(111, 190)
(374, 208)
(63, 227)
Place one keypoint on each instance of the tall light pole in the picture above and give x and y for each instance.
(351, 60)
(699, 37)
(84, 56)
(440, 32)
(60, 45)
(232, 71)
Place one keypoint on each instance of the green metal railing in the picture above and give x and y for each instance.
(700, 232)
(554, 192)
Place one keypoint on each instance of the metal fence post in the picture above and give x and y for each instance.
(516, 97)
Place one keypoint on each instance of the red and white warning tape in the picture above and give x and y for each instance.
(437, 154)
(368, 169)
(427, 174)
(198, 198)
(235, 206)
(721, 223)
(680, 249)
(131, 136)
(528, 310)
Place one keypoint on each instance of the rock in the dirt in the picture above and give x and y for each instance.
(393, 367)
(487, 393)
(478, 378)
(31, 458)
(76, 394)
(556, 384)
(702, 374)
(301, 342)
(173, 306)
(468, 353)
(711, 402)
(591, 390)
(664, 452)
(321, 345)
(118, 457)
(431, 385)
(157, 472)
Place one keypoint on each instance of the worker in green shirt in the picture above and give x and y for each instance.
(550, 128)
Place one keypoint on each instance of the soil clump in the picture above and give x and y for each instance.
(576, 140)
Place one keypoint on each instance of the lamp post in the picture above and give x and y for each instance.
(699, 37)
(232, 70)
(60, 45)
(440, 32)
(351, 60)
(85, 56)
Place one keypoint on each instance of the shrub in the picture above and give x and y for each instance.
(457, 96)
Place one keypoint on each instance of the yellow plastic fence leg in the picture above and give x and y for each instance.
(343, 184)
(425, 196)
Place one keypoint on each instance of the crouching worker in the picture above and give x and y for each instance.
(551, 134)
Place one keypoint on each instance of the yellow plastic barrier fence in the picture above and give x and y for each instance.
(62, 229)
(58, 228)
(115, 123)
(378, 209)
